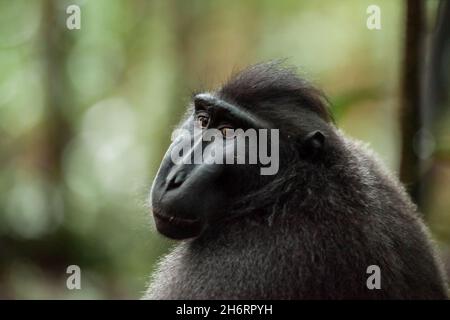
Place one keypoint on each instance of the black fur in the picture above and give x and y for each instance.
(311, 231)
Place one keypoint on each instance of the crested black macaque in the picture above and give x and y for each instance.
(310, 231)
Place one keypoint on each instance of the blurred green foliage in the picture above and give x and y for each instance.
(85, 116)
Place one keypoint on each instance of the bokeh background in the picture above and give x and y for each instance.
(85, 116)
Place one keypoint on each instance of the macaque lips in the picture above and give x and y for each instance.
(175, 227)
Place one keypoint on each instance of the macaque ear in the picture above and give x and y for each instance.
(312, 145)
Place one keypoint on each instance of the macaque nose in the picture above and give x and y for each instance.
(176, 180)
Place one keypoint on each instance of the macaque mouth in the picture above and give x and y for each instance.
(176, 227)
(176, 220)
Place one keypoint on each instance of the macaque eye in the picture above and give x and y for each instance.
(202, 120)
(227, 132)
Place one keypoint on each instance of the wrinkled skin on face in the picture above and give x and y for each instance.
(186, 197)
